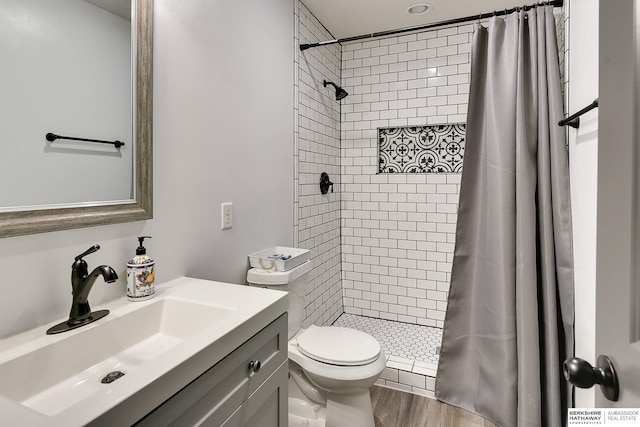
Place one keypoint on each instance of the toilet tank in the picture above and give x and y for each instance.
(294, 281)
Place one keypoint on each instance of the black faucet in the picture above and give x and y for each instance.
(81, 282)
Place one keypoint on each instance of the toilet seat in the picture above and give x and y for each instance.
(334, 378)
(338, 346)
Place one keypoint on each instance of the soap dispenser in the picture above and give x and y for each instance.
(141, 274)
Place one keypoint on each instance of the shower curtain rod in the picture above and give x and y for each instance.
(305, 46)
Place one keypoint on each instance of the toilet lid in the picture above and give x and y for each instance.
(338, 346)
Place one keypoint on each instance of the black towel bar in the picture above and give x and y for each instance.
(574, 119)
(52, 137)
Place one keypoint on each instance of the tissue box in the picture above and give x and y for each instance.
(279, 258)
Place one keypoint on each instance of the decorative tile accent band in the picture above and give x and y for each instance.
(421, 149)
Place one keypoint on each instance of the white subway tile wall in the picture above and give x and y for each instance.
(317, 150)
(398, 230)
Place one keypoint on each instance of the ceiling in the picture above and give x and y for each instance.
(346, 18)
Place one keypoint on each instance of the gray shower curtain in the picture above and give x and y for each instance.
(509, 321)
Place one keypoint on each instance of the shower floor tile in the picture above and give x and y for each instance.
(411, 350)
(403, 340)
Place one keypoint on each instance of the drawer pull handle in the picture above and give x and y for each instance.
(254, 366)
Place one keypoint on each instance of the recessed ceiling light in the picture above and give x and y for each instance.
(419, 9)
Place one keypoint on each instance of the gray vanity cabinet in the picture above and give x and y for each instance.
(247, 388)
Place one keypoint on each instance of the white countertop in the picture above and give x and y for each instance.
(127, 399)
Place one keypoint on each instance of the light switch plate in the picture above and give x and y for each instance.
(227, 215)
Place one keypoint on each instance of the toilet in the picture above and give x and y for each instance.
(330, 368)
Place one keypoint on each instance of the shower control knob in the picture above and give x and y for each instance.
(254, 366)
(325, 183)
(581, 374)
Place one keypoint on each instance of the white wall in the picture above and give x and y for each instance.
(399, 229)
(223, 132)
(66, 69)
(318, 150)
(583, 162)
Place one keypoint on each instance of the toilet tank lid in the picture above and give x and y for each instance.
(338, 346)
(259, 276)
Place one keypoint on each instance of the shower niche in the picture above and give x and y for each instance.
(421, 149)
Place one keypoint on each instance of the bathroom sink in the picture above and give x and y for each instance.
(51, 378)
(58, 378)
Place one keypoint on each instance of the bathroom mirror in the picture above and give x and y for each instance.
(18, 219)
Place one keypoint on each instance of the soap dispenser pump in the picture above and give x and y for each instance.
(141, 274)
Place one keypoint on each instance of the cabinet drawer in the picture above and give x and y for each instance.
(268, 406)
(219, 391)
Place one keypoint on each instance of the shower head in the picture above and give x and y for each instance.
(340, 93)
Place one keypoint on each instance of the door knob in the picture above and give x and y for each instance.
(581, 374)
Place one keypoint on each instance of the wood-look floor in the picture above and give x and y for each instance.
(394, 408)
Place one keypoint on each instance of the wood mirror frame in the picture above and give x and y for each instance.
(16, 223)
